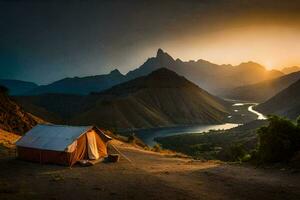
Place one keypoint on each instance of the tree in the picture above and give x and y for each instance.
(279, 140)
(298, 121)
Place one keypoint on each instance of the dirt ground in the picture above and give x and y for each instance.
(149, 175)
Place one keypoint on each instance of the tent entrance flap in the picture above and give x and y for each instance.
(92, 145)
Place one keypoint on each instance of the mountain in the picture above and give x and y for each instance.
(12, 117)
(264, 90)
(83, 85)
(288, 70)
(162, 98)
(217, 79)
(285, 103)
(17, 87)
(212, 77)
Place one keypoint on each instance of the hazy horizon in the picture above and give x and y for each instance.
(135, 67)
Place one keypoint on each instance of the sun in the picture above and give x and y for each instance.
(268, 64)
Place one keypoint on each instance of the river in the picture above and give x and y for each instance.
(148, 135)
(260, 116)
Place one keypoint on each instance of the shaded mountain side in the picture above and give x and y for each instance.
(264, 90)
(205, 74)
(285, 103)
(83, 85)
(12, 117)
(30, 105)
(17, 87)
(162, 98)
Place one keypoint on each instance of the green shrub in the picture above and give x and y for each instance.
(201, 147)
(278, 141)
(237, 152)
(247, 157)
(298, 121)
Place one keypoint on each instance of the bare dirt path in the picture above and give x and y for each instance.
(149, 176)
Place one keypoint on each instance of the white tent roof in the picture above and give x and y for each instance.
(52, 137)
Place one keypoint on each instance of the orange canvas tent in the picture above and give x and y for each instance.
(61, 144)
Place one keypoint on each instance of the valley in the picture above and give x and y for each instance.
(149, 100)
(242, 113)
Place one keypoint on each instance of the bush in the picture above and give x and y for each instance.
(237, 152)
(278, 141)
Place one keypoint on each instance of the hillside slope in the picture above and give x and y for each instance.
(7, 143)
(262, 91)
(285, 103)
(162, 98)
(12, 117)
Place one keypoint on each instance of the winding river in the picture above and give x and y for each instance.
(148, 135)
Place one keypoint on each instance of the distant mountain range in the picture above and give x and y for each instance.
(83, 85)
(217, 79)
(285, 103)
(12, 117)
(17, 87)
(212, 77)
(162, 98)
(264, 90)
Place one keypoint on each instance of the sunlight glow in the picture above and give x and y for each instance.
(272, 46)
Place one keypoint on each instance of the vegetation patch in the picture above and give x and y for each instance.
(261, 141)
(227, 145)
(279, 141)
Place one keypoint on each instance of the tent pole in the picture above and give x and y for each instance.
(121, 154)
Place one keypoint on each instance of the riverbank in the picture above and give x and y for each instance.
(215, 144)
(241, 113)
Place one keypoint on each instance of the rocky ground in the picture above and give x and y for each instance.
(146, 175)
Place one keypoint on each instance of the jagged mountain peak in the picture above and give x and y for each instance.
(159, 52)
(115, 72)
(163, 55)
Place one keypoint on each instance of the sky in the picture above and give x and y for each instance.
(44, 41)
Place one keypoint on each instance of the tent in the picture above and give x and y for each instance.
(62, 144)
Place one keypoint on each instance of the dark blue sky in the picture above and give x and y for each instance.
(43, 41)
